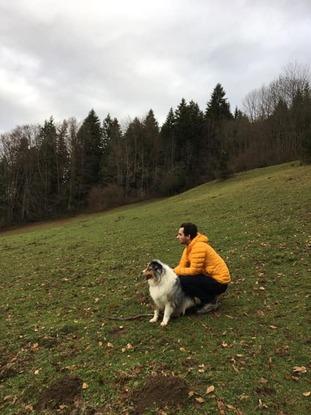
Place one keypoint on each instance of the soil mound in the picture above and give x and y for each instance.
(160, 392)
(62, 392)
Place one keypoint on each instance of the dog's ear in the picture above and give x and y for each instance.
(157, 266)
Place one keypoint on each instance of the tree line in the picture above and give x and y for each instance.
(55, 169)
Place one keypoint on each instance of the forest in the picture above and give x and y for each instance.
(59, 169)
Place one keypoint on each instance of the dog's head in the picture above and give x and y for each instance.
(154, 270)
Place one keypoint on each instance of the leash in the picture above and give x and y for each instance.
(130, 318)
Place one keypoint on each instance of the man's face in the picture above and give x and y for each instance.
(182, 238)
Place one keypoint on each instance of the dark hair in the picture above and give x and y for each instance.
(190, 229)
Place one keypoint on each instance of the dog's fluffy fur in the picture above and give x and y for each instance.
(166, 292)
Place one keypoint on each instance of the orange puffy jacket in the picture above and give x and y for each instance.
(200, 258)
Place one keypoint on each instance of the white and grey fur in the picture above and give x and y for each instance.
(166, 292)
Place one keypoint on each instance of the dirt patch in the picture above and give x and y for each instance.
(62, 392)
(117, 332)
(265, 390)
(159, 392)
(11, 365)
(7, 372)
(48, 342)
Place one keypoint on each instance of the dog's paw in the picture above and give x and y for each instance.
(153, 320)
(164, 323)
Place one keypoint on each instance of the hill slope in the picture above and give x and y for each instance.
(60, 284)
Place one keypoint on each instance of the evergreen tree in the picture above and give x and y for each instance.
(168, 141)
(134, 158)
(48, 165)
(62, 158)
(113, 154)
(151, 149)
(188, 132)
(218, 108)
(239, 115)
(217, 113)
(90, 139)
(75, 163)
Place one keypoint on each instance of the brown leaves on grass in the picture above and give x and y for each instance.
(299, 370)
(210, 389)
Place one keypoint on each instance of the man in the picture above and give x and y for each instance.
(202, 272)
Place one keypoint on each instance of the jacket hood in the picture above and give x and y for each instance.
(199, 238)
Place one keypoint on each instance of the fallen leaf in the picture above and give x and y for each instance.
(243, 397)
(63, 407)
(299, 369)
(109, 345)
(7, 398)
(263, 381)
(272, 327)
(200, 400)
(34, 347)
(235, 369)
(307, 394)
(231, 407)
(262, 405)
(221, 407)
(210, 389)
(191, 393)
(85, 386)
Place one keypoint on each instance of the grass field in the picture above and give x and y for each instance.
(59, 352)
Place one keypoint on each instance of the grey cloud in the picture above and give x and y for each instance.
(125, 59)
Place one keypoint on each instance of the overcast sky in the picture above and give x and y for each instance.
(65, 57)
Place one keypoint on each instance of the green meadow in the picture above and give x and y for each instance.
(61, 282)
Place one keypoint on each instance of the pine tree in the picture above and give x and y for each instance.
(48, 165)
(168, 141)
(90, 139)
(62, 159)
(134, 157)
(216, 115)
(151, 149)
(188, 132)
(113, 154)
(218, 108)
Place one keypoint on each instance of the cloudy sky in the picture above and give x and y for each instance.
(64, 57)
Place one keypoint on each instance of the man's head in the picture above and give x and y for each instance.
(186, 233)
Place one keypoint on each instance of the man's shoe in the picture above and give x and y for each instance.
(206, 308)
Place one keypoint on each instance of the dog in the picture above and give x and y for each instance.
(166, 292)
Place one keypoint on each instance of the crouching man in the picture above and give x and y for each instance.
(202, 272)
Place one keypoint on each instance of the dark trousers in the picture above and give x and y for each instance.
(201, 286)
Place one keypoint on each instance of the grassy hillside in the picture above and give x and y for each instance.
(59, 352)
